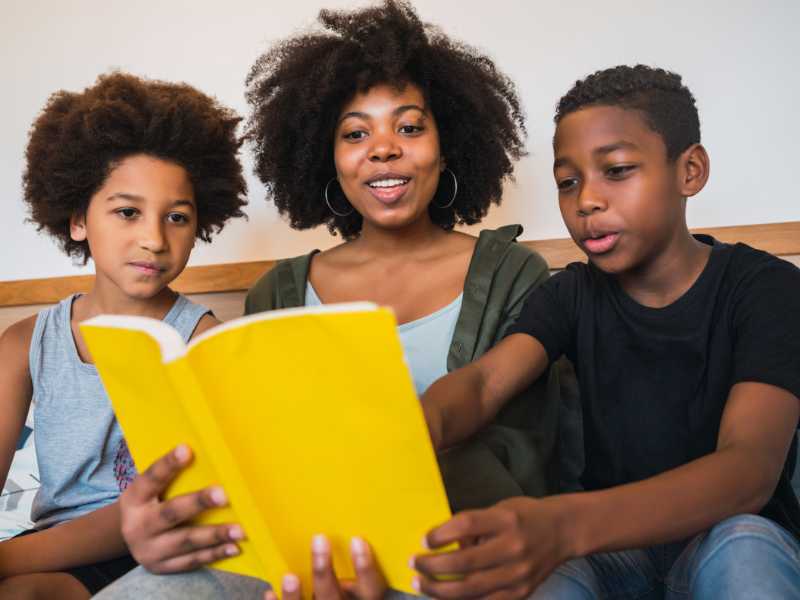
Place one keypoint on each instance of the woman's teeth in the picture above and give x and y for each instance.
(385, 183)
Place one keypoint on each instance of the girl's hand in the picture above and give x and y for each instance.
(506, 551)
(368, 585)
(157, 532)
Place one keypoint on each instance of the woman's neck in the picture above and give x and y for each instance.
(417, 239)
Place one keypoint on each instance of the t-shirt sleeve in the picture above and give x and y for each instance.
(767, 327)
(549, 313)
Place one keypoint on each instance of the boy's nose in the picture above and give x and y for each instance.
(590, 201)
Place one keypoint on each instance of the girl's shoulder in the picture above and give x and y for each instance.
(15, 343)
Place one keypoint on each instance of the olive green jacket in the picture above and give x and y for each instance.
(515, 455)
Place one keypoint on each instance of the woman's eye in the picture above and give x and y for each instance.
(355, 135)
(619, 171)
(410, 129)
(127, 213)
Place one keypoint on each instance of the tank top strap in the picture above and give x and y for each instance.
(185, 315)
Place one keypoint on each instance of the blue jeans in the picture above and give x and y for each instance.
(746, 556)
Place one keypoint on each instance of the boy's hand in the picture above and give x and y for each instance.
(368, 585)
(156, 530)
(506, 551)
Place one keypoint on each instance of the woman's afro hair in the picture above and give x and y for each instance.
(298, 88)
(79, 138)
(667, 105)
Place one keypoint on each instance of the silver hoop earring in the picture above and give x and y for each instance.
(328, 202)
(455, 191)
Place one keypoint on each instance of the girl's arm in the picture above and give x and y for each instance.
(15, 388)
(92, 538)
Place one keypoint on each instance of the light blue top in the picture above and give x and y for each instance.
(426, 340)
(84, 462)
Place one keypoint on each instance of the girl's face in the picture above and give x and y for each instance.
(140, 226)
(387, 156)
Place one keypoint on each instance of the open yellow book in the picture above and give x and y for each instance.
(307, 417)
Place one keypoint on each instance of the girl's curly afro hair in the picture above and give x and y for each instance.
(80, 137)
(298, 87)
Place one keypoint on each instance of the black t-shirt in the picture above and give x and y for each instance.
(654, 381)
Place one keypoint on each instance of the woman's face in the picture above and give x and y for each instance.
(388, 161)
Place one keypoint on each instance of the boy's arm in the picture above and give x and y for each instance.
(464, 401)
(92, 538)
(524, 539)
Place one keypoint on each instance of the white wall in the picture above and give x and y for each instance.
(739, 57)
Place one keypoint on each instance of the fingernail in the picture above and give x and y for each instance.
(411, 563)
(218, 496)
(182, 453)
(231, 550)
(319, 543)
(290, 583)
(425, 542)
(236, 533)
(415, 583)
(358, 545)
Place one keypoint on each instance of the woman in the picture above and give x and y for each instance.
(390, 133)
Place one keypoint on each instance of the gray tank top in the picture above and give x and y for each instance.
(84, 462)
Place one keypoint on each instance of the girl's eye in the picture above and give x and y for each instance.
(178, 218)
(566, 184)
(127, 213)
(619, 171)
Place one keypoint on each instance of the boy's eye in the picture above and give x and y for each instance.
(566, 183)
(619, 171)
(127, 212)
(178, 218)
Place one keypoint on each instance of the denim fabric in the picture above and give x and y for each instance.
(746, 556)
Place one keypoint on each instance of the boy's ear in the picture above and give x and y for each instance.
(77, 227)
(694, 167)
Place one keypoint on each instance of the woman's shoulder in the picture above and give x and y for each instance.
(501, 249)
(282, 286)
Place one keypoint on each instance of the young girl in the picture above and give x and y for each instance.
(129, 173)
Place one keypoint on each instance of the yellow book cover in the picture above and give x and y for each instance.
(307, 417)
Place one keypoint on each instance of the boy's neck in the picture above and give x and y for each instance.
(667, 277)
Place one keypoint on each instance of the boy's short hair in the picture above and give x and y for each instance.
(78, 138)
(667, 105)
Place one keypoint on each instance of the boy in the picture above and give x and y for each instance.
(688, 356)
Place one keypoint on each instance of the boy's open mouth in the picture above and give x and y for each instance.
(601, 244)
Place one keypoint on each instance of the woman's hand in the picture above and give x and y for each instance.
(157, 532)
(369, 583)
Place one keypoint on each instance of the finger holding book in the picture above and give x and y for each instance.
(157, 531)
(369, 584)
(520, 541)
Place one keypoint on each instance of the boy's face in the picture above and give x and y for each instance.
(620, 197)
(140, 226)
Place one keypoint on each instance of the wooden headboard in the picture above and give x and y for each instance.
(222, 287)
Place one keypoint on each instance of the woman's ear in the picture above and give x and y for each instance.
(77, 227)
(694, 167)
